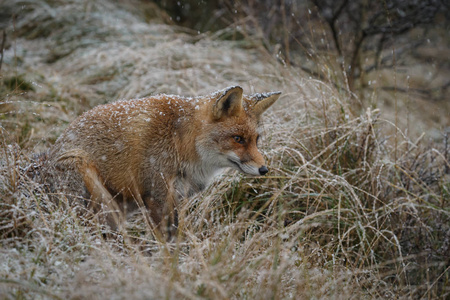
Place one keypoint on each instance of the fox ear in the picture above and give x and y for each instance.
(229, 103)
(264, 101)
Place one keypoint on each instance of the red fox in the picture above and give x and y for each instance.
(147, 153)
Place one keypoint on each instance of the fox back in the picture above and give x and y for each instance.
(150, 152)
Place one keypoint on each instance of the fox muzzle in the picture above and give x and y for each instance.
(263, 170)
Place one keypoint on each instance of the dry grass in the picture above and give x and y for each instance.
(344, 213)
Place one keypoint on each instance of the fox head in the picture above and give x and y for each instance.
(230, 137)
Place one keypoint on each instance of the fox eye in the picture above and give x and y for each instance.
(239, 139)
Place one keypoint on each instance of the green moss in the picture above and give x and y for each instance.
(17, 83)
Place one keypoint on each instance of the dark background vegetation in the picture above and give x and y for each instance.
(352, 32)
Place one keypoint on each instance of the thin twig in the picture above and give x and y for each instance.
(1, 48)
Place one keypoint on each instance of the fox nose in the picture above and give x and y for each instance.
(263, 170)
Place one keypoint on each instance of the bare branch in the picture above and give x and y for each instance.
(2, 47)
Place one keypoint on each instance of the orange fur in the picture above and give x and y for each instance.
(153, 150)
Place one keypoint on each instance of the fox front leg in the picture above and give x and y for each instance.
(161, 207)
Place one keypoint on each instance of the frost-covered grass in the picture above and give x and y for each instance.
(346, 211)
